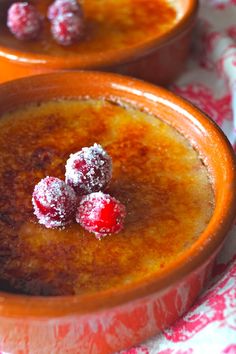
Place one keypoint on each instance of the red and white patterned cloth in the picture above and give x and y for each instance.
(209, 81)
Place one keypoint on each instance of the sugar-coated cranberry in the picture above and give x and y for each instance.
(67, 29)
(24, 21)
(89, 170)
(54, 202)
(61, 7)
(101, 214)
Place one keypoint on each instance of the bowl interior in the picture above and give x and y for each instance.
(203, 135)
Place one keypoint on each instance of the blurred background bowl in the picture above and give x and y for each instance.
(159, 58)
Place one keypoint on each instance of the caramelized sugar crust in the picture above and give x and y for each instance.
(110, 24)
(156, 174)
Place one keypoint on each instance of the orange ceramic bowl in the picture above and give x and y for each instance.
(158, 58)
(111, 320)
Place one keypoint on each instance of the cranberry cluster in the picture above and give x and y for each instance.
(65, 16)
(88, 172)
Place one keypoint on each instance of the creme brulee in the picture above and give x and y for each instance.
(109, 25)
(157, 175)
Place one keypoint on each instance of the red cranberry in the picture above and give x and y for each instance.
(101, 214)
(67, 29)
(61, 7)
(89, 170)
(24, 21)
(54, 202)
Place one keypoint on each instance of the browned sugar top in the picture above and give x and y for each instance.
(156, 174)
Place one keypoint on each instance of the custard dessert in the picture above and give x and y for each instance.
(157, 175)
(109, 25)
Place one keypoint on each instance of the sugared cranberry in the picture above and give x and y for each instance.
(62, 7)
(54, 202)
(67, 29)
(89, 170)
(101, 214)
(24, 21)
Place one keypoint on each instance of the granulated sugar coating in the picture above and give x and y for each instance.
(24, 21)
(54, 202)
(62, 7)
(101, 214)
(156, 174)
(67, 29)
(89, 170)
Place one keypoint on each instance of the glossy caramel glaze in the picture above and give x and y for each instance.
(110, 24)
(156, 174)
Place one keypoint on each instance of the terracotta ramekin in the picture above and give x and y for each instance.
(109, 321)
(159, 61)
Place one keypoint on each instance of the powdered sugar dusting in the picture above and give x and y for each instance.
(89, 170)
(54, 202)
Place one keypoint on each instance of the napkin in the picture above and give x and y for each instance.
(209, 81)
